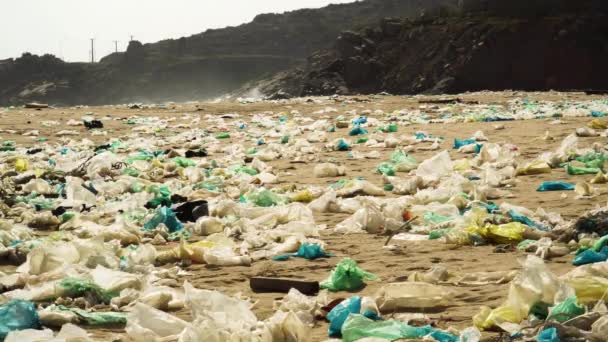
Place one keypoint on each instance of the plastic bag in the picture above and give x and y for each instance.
(555, 186)
(460, 143)
(357, 131)
(407, 295)
(347, 276)
(534, 284)
(75, 287)
(99, 318)
(228, 313)
(548, 335)
(306, 251)
(328, 170)
(534, 168)
(338, 315)
(342, 146)
(167, 216)
(385, 169)
(566, 310)
(145, 324)
(403, 162)
(589, 289)
(590, 256)
(357, 327)
(516, 217)
(304, 196)
(18, 315)
(578, 170)
(435, 167)
(265, 198)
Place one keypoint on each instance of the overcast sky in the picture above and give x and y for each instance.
(64, 27)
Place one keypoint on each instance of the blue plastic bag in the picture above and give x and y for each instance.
(167, 216)
(306, 251)
(597, 114)
(361, 120)
(548, 335)
(590, 256)
(517, 217)
(338, 315)
(459, 143)
(18, 315)
(555, 186)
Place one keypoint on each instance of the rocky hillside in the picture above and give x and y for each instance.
(201, 66)
(562, 48)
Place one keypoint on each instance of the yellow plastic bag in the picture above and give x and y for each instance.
(488, 318)
(505, 233)
(589, 289)
(185, 251)
(597, 124)
(534, 168)
(304, 196)
(21, 165)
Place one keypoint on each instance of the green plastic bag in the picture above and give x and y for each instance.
(578, 170)
(347, 276)
(566, 310)
(403, 162)
(243, 169)
(76, 287)
(96, 318)
(265, 198)
(223, 135)
(358, 327)
(183, 162)
(385, 169)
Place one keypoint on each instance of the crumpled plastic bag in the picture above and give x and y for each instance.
(555, 186)
(306, 251)
(535, 283)
(338, 315)
(368, 218)
(535, 167)
(329, 170)
(145, 324)
(18, 315)
(167, 217)
(407, 295)
(229, 313)
(432, 169)
(566, 310)
(347, 276)
(358, 327)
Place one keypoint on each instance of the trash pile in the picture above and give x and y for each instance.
(106, 235)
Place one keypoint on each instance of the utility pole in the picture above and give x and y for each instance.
(131, 38)
(116, 45)
(92, 50)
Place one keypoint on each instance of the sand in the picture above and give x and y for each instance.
(366, 249)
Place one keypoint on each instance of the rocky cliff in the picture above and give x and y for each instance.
(562, 51)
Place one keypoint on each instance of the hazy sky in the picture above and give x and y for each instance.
(64, 27)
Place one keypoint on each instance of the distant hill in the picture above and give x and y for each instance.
(204, 65)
